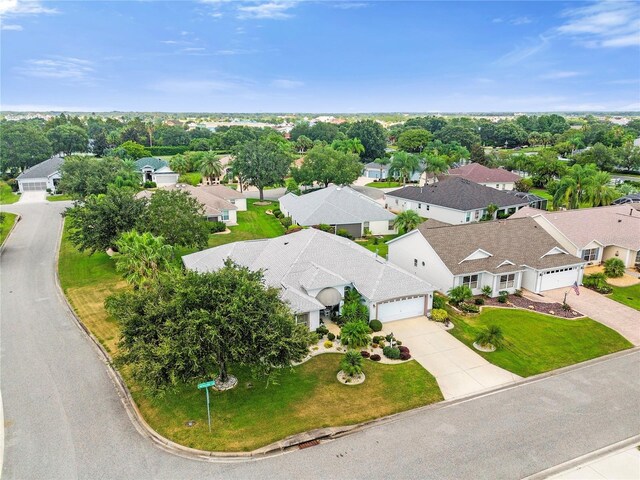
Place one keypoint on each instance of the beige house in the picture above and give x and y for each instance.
(594, 234)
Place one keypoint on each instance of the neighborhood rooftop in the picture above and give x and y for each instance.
(213, 204)
(334, 205)
(459, 194)
(42, 169)
(153, 162)
(496, 246)
(309, 260)
(614, 225)
(480, 174)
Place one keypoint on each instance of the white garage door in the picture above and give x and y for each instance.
(31, 186)
(558, 278)
(402, 308)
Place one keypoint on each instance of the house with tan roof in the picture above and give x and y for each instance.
(497, 178)
(504, 255)
(593, 234)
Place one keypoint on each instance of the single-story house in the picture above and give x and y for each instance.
(594, 234)
(42, 176)
(535, 201)
(216, 208)
(229, 194)
(156, 170)
(631, 198)
(504, 255)
(497, 178)
(313, 269)
(376, 171)
(454, 200)
(342, 208)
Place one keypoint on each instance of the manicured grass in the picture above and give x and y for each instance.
(536, 343)
(629, 296)
(6, 195)
(381, 246)
(59, 198)
(5, 227)
(192, 178)
(252, 224)
(304, 398)
(384, 184)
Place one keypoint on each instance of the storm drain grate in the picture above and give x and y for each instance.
(308, 444)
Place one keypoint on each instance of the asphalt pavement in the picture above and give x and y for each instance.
(64, 419)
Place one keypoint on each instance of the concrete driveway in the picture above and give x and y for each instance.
(459, 370)
(624, 320)
(38, 196)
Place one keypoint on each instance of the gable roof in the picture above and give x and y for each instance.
(42, 169)
(481, 174)
(311, 259)
(613, 225)
(222, 191)
(334, 205)
(153, 162)
(514, 242)
(213, 205)
(459, 194)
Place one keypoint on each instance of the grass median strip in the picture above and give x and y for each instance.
(8, 219)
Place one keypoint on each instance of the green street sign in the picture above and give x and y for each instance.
(208, 384)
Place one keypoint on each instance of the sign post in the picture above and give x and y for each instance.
(206, 386)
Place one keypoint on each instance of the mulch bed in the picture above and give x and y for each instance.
(554, 309)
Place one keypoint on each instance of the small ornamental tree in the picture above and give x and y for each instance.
(459, 294)
(614, 267)
(351, 363)
(490, 336)
(355, 334)
(142, 257)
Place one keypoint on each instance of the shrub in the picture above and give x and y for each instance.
(216, 227)
(405, 356)
(377, 339)
(502, 296)
(391, 352)
(398, 343)
(276, 212)
(295, 229)
(328, 344)
(149, 184)
(324, 227)
(479, 301)
(518, 293)
(365, 354)
(351, 363)
(355, 334)
(438, 302)
(490, 336)
(355, 311)
(331, 336)
(487, 291)
(344, 233)
(286, 222)
(469, 308)
(597, 282)
(388, 337)
(322, 330)
(375, 325)
(403, 349)
(459, 294)
(375, 357)
(614, 267)
(439, 315)
(168, 150)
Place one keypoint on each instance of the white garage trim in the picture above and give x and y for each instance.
(401, 308)
(33, 186)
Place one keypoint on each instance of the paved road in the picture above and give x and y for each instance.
(64, 420)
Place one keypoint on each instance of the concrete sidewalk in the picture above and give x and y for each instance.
(39, 196)
(624, 465)
(459, 370)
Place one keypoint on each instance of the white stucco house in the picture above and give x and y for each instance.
(43, 176)
(156, 170)
(313, 269)
(453, 200)
(497, 178)
(506, 255)
(593, 234)
(342, 208)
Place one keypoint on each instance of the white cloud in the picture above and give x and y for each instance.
(273, 10)
(520, 53)
(67, 68)
(234, 51)
(15, 8)
(559, 75)
(15, 28)
(523, 20)
(603, 24)
(287, 84)
(349, 5)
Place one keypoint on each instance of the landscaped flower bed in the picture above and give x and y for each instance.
(514, 301)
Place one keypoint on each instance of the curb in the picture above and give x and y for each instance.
(289, 443)
(15, 222)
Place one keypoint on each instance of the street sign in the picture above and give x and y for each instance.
(206, 386)
(210, 383)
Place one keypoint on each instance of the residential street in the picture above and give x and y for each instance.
(64, 419)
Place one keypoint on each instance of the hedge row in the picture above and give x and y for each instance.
(159, 151)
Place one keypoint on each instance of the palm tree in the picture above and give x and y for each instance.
(598, 190)
(491, 210)
(404, 165)
(571, 191)
(142, 257)
(491, 336)
(407, 221)
(382, 162)
(436, 165)
(210, 166)
(348, 145)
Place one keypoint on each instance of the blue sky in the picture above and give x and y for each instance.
(320, 56)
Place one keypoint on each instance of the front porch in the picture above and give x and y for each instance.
(508, 281)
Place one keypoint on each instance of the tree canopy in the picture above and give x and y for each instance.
(22, 145)
(68, 139)
(325, 165)
(261, 163)
(372, 136)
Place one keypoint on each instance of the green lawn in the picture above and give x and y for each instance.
(8, 220)
(252, 224)
(6, 194)
(381, 246)
(629, 296)
(384, 184)
(304, 398)
(536, 343)
(59, 198)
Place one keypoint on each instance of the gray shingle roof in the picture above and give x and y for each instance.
(213, 205)
(521, 242)
(222, 191)
(631, 198)
(334, 205)
(42, 169)
(459, 194)
(312, 259)
(481, 174)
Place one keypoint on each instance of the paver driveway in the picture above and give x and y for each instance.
(38, 196)
(459, 370)
(624, 320)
